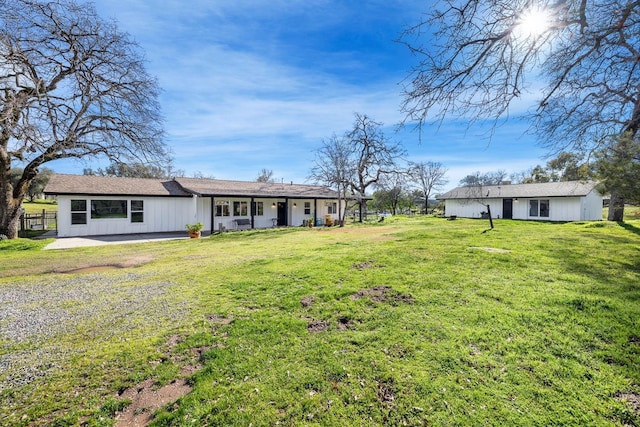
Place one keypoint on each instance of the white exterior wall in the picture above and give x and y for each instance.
(168, 214)
(472, 208)
(592, 206)
(295, 214)
(588, 208)
(161, 214)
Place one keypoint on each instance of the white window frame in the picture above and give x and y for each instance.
(538, 211)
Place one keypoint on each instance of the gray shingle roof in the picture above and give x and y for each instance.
(180, 187)
(547, 189)
(109, 186)
(216, 187)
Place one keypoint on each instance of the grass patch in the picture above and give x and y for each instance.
(37, 206)
(407, 322)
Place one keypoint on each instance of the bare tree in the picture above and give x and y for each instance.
(477, 191)
(429, 177)
(479, 57)
(333, 167)
(71, 86)
(392, 188)
(487, 178)
(373, 156)
(266, 175)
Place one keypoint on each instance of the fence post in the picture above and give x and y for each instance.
(22, 225)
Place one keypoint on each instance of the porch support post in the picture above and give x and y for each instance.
(213, 213)
(253, 212)
(315, 211)
(286, 209)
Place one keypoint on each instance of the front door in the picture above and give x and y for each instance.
(507, 208)
(282, 213)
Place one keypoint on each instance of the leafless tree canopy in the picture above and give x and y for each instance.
(358, 159)
(333, 166)
(428, 177)
(266, 175)
(374, 154)
(474, 63)
(71, 85)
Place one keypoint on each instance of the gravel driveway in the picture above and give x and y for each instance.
(43, 322)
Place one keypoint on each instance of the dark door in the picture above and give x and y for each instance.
(282, 213)
(507, 208)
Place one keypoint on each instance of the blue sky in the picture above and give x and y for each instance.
(253, 84)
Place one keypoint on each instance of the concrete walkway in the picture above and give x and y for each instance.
(76, 242)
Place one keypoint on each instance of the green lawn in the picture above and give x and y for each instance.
(37, 206)
(410, 322)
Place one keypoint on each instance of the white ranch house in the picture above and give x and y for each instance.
(95, 205)
(551, 201)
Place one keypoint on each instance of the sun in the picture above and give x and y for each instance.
(532, 22)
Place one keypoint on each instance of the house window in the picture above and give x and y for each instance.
(333, 208)
(137, 211)
(544, 208)
(78, 212)
(258, 208)
(222, 208)
(102, 209)
(240, 209)
(307, 208)
(539, 208)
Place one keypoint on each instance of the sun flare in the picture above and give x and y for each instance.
(533, 23)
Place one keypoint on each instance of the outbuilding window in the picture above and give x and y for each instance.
(108, 209)
(333, 208)
(539, 208)
(137, 211)
(78, 212)
(307, 208)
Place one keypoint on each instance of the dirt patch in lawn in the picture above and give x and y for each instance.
(363, 265)
(135, 261)
(490, 250)
(316, 326)
(217, 319)
(382, 294)
(145, 399)
(631, 399)
(307, 301)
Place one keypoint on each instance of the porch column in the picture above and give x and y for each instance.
(213, 213)
(253, 212)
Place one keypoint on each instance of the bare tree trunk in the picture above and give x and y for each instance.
(490, 219)
(9, 210)
(616, 207)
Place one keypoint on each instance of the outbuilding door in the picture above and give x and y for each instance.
(507, 208)
(282, 213)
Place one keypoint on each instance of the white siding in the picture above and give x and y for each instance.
(472, 208)
(587, 208)
(592, 206)
(167, 214)
(203, 212)
(161, 214)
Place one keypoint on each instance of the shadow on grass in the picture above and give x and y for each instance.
(629, 227)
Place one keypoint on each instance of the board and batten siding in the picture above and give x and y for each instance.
(161, 214)
(592, 206)
(586, 208)
(465, 208)
(295, 214)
